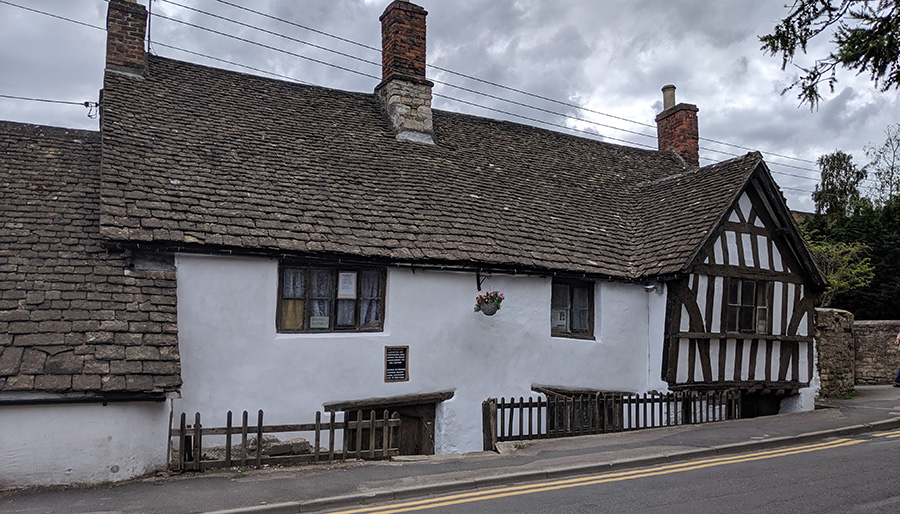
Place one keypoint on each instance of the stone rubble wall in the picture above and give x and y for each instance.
(854, 352)
(877, 358)
(835, 343)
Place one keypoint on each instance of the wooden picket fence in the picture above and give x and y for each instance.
(566, 416)
(369, 437)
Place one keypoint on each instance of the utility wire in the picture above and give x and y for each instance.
(92, 107)
(45, 100)
(269, 47)
(495, 84)
(52, 15)
(566, 127)
(226, 61)
(481, 93)
(378, 64)
(436, 67)
(294, 54)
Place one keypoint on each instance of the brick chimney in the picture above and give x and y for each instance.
(676, 128)
(126, 24)
(404, 92)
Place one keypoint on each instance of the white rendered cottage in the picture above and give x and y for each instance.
(314, 235)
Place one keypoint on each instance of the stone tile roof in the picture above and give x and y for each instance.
(73, 317)
(679, 212)
(255, 164)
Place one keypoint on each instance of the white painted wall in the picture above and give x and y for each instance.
(233, 359)
(81, 443)
(806, 399)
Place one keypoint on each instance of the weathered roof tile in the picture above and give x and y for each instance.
(65, 296)
(310, 170)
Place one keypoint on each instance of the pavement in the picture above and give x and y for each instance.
(314, 488)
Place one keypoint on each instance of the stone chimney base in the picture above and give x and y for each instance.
(407, 105)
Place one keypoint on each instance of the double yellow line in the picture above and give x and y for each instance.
(503, 492)
(893, 434)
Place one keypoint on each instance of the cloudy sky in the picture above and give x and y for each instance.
(599, 67)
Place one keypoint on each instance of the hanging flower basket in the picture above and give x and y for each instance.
(489, 309)
(488, 303)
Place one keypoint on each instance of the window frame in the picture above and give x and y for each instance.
(572, 284)
(333, 298)
(739, 311)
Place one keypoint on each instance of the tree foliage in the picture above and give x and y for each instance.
(866, 37)
(837, 194)
(876, 228)
(846, 267)
(884, 162)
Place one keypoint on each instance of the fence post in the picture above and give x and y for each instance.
(395, 432)
(489, 424)
(486, 425)
(521, 418)
(182, 438)
(385, 434)
(228, 440)
(331, 429)
(502, 422)
(259, 439)
(539, 417)
(244, 439)
(198, 448)
(372, 434)
(318, 433)
(358, 425)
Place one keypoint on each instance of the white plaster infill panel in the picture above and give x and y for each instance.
(716, 325)
(731, 238)
(702, 284)
(233, 359)
(745, 206)
(762, 242)
(81, 443)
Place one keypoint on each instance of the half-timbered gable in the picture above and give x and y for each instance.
(742, 316)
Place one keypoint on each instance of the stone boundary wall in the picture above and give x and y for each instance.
(835, 345)
(877, 358)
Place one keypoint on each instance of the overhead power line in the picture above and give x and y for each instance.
(68, 102)
(450, 98)
(496, 84)
(378, 64)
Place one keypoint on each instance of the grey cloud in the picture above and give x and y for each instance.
(614, 56)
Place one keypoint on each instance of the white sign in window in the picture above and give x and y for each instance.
(347, 285)
(559, 319)
(319, 322)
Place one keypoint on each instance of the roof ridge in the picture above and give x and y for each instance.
(15, 127)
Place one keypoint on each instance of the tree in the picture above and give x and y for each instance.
(884, 161)
(878, 229)
(838, 193)
(866, 38)
(845, 266)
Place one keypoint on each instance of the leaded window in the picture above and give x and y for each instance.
(330, 300)
(572, 309)
(748, 306)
